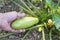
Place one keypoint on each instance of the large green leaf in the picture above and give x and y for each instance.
(0, 0)
(51, 4)
(56, 18)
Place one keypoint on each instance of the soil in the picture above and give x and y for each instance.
(7, 6)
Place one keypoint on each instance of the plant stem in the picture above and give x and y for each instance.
(26, 6)
(26, 10)
(34, 7)
(26, 35)
(43, 34)
(50, 34)
(6, 35)
(41, 4)
(58, 2)
(35, 26)
(31, 29)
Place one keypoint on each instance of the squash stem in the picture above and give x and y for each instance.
(26, 35)
(43, 34)
(58, 2)
(27, 7)
(26, 10)
(8, 34)
(34, 7)
(35, 27)
(50, 34)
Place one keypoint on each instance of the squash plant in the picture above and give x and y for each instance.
(46, 16)
(43, 14)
